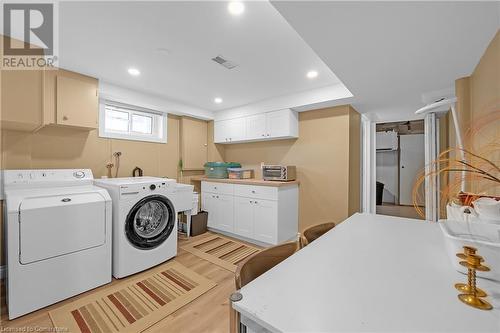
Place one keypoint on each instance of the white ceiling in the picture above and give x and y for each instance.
(105, 39)
(390, 54)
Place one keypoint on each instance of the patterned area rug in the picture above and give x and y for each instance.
(133, 305)
(222, 251)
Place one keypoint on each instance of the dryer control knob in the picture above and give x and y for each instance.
(152, 187)
(79, 174)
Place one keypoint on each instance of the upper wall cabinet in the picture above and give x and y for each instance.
(281, 124)
(21, 99)
(228, 131)
(71, 99)
(31, 99)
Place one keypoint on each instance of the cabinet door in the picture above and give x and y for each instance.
(207, 204)
(193, 143)
(243, 216)
(221, 131)
(236, 129)
(224, 212)
(255, 126)
(21, 99)
(266, 221)
(278, 123)
(76, 101)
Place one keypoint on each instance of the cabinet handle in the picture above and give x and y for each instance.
(253, 191)
(268, 134)
(255, 202)
(263, 135)
(65, 118)
(251, 201)
(217, 197)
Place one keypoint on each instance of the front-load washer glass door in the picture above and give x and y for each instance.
(150, 222)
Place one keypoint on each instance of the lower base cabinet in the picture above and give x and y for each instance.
(265, 214)
(220, 211)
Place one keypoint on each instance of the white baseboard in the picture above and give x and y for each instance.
(3, 270)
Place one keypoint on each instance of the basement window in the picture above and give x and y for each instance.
(120, 121)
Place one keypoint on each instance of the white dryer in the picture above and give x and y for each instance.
(144, 222)
(58, 234)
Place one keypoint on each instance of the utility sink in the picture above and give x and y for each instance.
(485, 237)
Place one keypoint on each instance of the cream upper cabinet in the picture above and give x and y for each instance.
(21, 99)
(70, 99)
(76, 102)
(281, 124)
(32, 99)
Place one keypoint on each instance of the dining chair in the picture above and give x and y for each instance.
(251, 268)
(312, 233)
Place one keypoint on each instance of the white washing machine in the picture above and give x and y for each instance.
(144, 222)
(58, 235)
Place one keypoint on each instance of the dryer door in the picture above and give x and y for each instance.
(51, 226)
(150, 222)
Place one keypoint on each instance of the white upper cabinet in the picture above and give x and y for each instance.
(256, 126)
(227, 131)
(281, 124)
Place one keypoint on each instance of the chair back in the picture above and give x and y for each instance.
(260, 262)
(312, 233)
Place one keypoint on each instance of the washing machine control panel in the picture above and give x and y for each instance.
(167, 185)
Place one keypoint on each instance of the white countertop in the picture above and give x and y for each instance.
(370, 273)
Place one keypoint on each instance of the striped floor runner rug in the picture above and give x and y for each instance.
(222, 251)
(135, 304)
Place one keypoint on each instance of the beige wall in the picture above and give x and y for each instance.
(478, 107)
(327, 158)
(59, 147)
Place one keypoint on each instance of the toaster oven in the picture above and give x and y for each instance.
(279, 172)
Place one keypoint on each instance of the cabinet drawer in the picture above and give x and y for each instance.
(219, 188)
(258, 192)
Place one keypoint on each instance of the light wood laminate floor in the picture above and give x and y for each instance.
(208, 313)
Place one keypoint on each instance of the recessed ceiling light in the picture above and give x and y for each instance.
(217, 100)
(236, 7)
(312, 74)
(134, 71)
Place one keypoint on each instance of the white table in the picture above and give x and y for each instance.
(370, 273)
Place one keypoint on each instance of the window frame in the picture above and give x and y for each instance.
(158, 123)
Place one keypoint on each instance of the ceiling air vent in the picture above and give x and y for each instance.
(224, 62)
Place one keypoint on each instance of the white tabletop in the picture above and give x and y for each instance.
(370, 273)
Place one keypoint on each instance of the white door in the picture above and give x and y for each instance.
(256, 126)
(243, 216)
(266, 221)
(411, 163)
(224, 216)
(207, 204)
(278, 123)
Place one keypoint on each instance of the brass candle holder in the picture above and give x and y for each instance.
(464, 287)
(471, 294)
